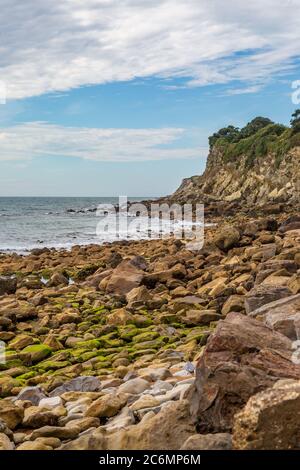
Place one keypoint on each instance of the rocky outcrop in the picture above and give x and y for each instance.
(241, 358)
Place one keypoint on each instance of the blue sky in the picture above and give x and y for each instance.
(119, 97)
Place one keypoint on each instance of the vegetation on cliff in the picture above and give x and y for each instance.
(258, 138)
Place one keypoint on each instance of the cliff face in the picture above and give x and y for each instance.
(264, 182)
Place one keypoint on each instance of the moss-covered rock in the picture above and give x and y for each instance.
(37, 352)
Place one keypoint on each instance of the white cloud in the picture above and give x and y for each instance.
(59, 45)
(37, 139)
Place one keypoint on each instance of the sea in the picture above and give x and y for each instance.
(54, 222)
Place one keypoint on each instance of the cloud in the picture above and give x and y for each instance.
(57, 46)
(38, 139)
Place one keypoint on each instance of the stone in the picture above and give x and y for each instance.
(11, 414)
(78, 384)
(166, 430)
(50, 402)
(262, 294)
(58, 279)
(84, 423)
(235, 303)
(5, 442)
(218, 441)
(35, 417)
(137, 296)
(134, 386)
(106, 406)
(145, 401)
(282, 315)
(36, 445)
(125, 277)
(270, 420)
(8, 285)
(32, 394)
(227, 238)
(53, 442)
(55, 431)
(242, 357)
(200, 317)
(92, 441)
(37, 352)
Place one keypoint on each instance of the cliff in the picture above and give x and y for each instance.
(258, 164)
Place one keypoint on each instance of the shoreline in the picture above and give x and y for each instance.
(118, 353)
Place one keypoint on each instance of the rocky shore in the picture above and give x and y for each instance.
(147, 345)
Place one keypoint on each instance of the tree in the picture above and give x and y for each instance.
(295, 121)
(229, 133)
(254, 126)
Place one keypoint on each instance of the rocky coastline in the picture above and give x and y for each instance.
(147, 345)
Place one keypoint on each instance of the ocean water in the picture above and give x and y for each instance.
(58, 222)
(62, 222)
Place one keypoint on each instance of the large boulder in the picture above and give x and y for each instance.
(282, 315)
(125, 277)
(270, 420)
(241, 358)
(227, 237)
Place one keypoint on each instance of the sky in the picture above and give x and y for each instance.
(118, 97)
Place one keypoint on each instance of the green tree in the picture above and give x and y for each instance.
(295, 121)
(254, 126)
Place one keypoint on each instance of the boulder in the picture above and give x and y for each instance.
(242, 357)
(106, 406)
(270, 419)
(32, 394)
(78, 384)
(11, 414)
(125, 277)
(5, 443)
(8, 285)
(218, 441)
(134, 386)
(227, 237)
(282, 315)
(262, 294)
(234, 303)
(200, 317)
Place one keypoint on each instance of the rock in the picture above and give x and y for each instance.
(50, 402)
(282, 315)
(21, 341)
(37, 352)
(36, 445)
(125, 277)
(55, 431)
(121, 421)
(58, 279)
(137, 296)
(32, 394)
(241, 358)
(270, 420)
(235, 303)
(264, 294)
(84, 423)
(93, 441)
(80, 384)
(35, 417)
(163, 431)
(200, 317)
(145, 401)
(120, 317)
(106, 406)
(8, 285)
(53, 442)
(185, 303)
(134, 386)
(227, 238)
(218, 441)
(5, 443)
(155, 373)
(11, 414)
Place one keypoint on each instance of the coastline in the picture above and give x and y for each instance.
(116, 352)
